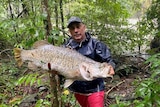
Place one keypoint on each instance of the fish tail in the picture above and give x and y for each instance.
(17, 56)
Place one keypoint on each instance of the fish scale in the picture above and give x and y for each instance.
(67, 62)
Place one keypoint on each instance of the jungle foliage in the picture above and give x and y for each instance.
(23, 22)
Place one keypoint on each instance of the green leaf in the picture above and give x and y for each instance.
(156, 73)
(20, 81)
(32, 31)
(28, 79)
(33, 80)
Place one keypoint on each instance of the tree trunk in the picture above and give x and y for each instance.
(47, 21)
(62, 18)
(12, 16)
(53, 83)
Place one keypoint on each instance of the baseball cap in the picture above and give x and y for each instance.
(74, 19)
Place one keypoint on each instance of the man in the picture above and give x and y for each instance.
(88, 93)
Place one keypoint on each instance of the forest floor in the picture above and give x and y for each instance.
(130, 72)
(123, 88)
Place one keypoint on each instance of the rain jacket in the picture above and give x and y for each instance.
(95, 50)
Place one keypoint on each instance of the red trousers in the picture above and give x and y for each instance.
(94, 100)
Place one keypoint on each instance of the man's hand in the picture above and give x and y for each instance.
(111, 72)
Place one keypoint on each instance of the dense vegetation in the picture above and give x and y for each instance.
(23, 22)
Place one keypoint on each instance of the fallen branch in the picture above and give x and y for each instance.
(114, 87)
(5, 51)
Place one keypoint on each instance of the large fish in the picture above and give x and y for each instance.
(67, 62)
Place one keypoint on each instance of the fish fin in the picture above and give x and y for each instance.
(84, 70)
(17, 56)
(32, 66)
(40, 43)
(68, 82)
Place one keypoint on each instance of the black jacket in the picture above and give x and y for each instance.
(95, 50)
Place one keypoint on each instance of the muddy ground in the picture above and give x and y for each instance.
(129, 71)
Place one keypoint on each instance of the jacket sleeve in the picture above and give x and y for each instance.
(103, 53)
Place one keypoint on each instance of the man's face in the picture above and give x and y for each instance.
(77, 31)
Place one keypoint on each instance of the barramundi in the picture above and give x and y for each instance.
(67, 62)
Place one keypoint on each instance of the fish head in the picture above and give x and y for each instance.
(91, 71)
(85, 71)
(106, 70)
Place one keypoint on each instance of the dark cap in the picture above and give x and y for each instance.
(74, 19)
